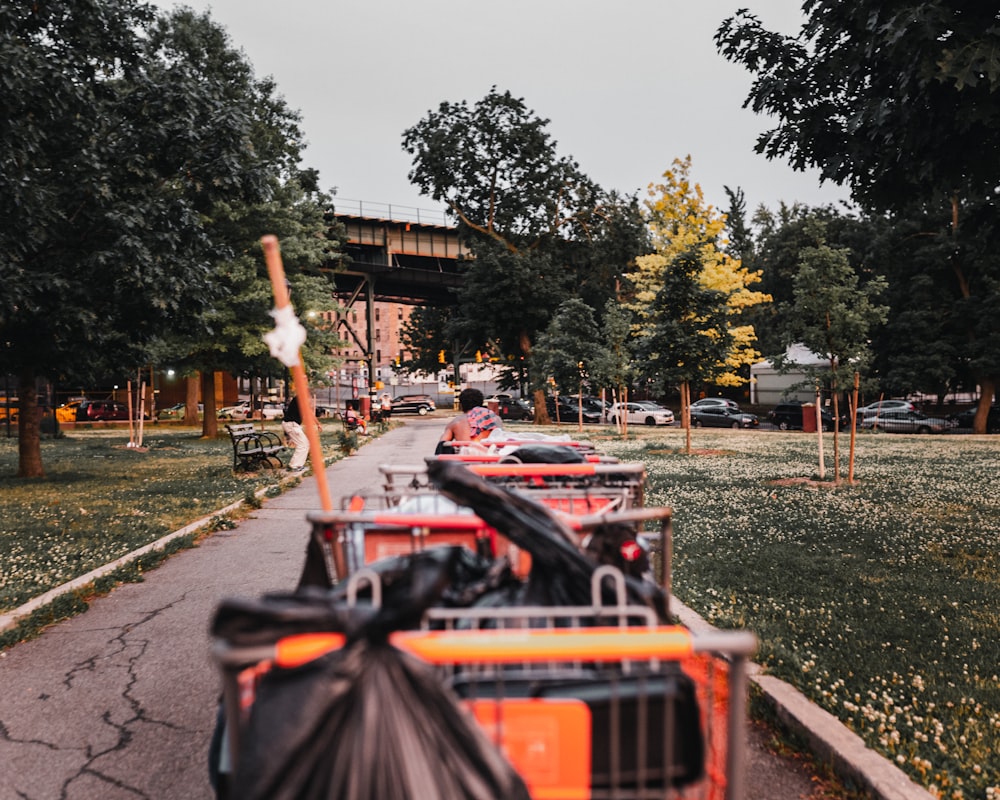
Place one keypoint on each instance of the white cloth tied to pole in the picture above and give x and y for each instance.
(287, 337)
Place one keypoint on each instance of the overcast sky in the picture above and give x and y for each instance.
(627, 86)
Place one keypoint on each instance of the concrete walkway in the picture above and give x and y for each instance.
(119, 702)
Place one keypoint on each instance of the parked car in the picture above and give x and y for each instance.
(788, 416)
(964, 419)
(240, 410)
(642, 412)
(569, 411)
(9, 409)
(413, 404)
(713, 402)
(902, 420)
(100, 410)
(272, 411)
(512, 408)
(176, 411)
(590, 403)
(716, 415)
(881, 407)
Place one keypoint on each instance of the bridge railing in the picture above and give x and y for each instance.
(396, 213)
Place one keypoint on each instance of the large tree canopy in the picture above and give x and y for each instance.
(120, 133)
(899, 102)
(540, 230)
(891, 99)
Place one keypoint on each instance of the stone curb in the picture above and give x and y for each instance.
(828, 739)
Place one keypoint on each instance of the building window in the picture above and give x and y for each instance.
(377, 310)
(378, 358)
(378, 334)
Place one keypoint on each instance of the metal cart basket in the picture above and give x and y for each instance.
(594, 702)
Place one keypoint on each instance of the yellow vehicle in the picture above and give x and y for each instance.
(67, 412)
(8, 409)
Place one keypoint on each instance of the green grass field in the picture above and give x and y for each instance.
(880, 600)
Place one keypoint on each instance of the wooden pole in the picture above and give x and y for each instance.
(142, 410)
(131, 434)
(276, 271)
(819, 433)
(854, 427)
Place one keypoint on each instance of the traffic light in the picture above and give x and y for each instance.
(441, 359)
(397, 360)
(479, 357)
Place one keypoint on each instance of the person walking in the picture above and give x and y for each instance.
(295, 436)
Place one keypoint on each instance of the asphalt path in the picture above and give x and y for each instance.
(120, 702)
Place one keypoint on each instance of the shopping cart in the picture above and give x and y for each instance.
(349, 540)
(595, 702)
(627, 475)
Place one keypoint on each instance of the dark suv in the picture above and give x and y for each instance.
(788, 416)
(413, 404)
(99, 410)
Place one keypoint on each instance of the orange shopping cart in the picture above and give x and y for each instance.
(591, 702)
(346, 541)
(586, 475)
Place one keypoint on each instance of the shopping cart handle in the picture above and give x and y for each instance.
(533, 645)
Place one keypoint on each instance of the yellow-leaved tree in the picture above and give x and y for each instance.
(680, 221)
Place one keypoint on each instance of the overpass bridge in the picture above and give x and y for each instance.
(396, 256)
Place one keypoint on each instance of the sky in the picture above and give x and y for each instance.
(627, 87)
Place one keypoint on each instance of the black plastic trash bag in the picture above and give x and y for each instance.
(560, 574)
(365, 721)
(543, 454)
(449, 576)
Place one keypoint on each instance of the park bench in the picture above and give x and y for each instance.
(255, 449)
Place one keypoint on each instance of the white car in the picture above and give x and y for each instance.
(239, 411)
(642, 412)
(715, 402)
(881, 407)
(272, 411)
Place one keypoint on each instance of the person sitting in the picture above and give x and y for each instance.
(353, 421)
(474, 423)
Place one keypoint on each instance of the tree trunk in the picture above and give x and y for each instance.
(988, 387)
(191, 400)
(210, 424)
(29, 428)
(541, 412)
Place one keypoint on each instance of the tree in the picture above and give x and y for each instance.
(900, 104)
(834, 317)
(537, 225)
(228, 337)
(681, 223)
(686, 337)
(424, 336)
(783, 235)
(569, 347)
(120, 132)
(614, 365)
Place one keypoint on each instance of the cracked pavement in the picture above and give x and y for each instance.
(120, 702)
